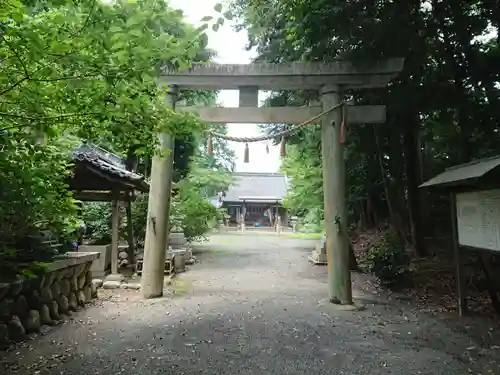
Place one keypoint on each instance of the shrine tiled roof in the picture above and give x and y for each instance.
(262, 187)
(108, 163)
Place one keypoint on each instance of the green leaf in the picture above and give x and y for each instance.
(202, 28)
(207, 18)
(218, 7)
(203, 40)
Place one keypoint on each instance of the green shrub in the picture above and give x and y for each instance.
(189, 212)
(97, 217)
(312, 222)
(140, 218)
(388, 260)
(196, 212)
(33, 198)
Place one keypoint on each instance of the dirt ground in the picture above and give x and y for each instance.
(250, 306)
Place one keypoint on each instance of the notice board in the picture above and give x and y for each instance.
(478, 219)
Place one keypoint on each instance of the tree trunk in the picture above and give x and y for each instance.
(353, 263)
(423, 193)
(363, 217)
(412, 171)
(396, 224)
(457, 59)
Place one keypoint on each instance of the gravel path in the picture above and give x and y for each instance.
(250, 307)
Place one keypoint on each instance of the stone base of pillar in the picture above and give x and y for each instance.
(317, 257)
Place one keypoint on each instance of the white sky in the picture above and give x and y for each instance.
(230, 47)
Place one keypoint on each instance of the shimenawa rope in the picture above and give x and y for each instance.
(283, 133)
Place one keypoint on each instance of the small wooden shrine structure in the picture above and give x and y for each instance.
(474, 189)
(99, 175)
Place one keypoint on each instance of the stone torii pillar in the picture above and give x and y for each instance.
(155, 244)
(331, 79)
(334, 196)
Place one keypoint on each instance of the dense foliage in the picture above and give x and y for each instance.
(93, 68)
(388, 260)
(441, 110)
(33, 197)
(89, 70)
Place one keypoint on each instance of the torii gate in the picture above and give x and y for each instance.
(331, 79)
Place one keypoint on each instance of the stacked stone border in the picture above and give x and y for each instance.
(26, 305)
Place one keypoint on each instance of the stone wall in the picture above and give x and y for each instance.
(28, 304)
